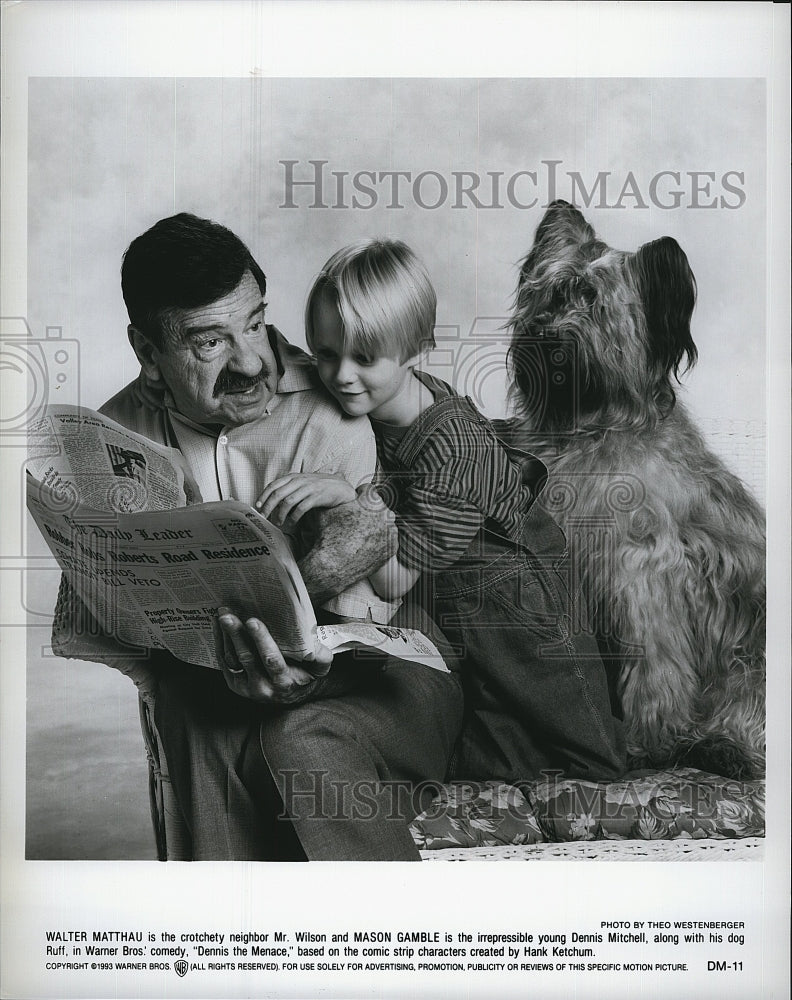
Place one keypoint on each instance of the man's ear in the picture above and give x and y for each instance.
(147, 354)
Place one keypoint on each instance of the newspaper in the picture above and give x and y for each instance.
(123, 518)
(404, 643)
(86, 456)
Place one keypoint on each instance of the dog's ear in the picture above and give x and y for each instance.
(562, 226)
(667, 289)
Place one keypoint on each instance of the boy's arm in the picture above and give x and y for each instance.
(393, 580)
(434, 530)
(439, 511)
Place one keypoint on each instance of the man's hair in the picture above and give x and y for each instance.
(384, 296)
(182, 262)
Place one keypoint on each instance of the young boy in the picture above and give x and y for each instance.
(492, 563)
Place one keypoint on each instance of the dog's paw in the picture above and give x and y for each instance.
(720, 755)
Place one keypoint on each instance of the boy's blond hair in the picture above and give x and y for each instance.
(384, 296)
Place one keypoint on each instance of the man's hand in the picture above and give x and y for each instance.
(254, 667)
(288, 498)
(352, 540)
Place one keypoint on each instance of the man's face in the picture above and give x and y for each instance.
(217, 360)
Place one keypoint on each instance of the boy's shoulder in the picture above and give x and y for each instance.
(450, 429)
(439, 389)
(449, 405)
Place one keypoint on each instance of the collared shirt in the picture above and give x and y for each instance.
(302, 430)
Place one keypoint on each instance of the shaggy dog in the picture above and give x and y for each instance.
(667, 544)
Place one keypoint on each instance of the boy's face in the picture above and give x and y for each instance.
(373, 386)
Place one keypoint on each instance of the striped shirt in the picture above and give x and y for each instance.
(448, 480)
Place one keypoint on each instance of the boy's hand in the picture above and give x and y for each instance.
(292, 496)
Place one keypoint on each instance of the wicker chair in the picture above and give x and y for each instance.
(171, 836)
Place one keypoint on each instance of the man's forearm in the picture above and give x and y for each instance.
(353, 540)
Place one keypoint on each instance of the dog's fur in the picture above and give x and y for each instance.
(668, 544)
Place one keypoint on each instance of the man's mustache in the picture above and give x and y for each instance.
(228, 381)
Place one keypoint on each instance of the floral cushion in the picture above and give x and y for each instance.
(665, 805)
(477, 815)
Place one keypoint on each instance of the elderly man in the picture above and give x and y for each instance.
(245, 408)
